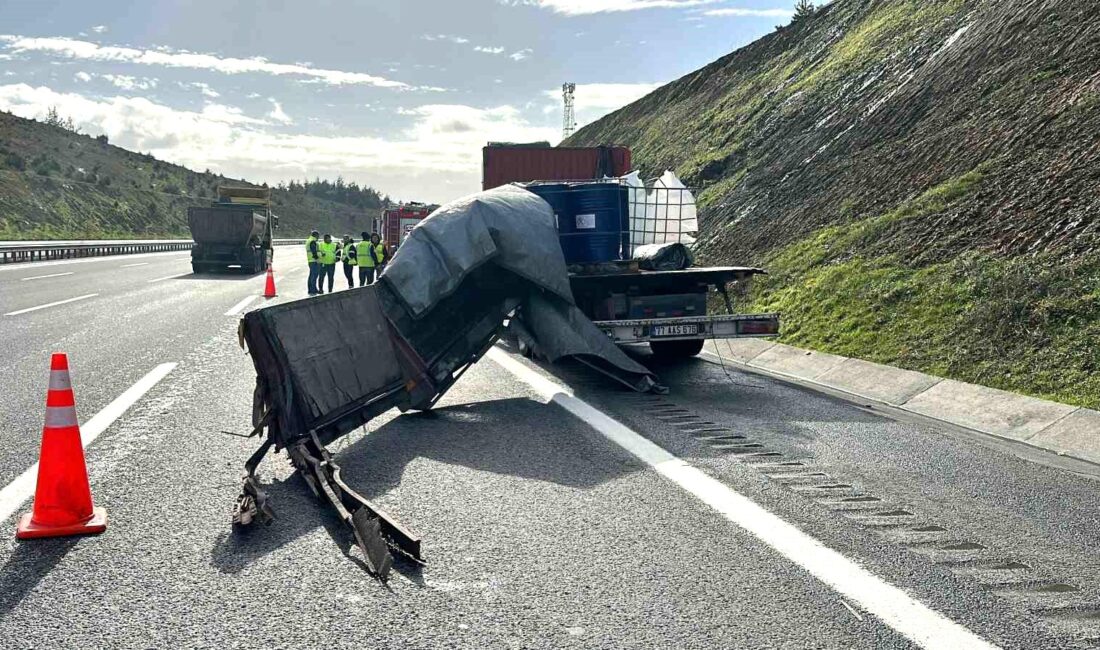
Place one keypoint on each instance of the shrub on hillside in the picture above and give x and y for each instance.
(44, 165)
(14, 161)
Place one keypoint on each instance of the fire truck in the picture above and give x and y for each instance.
(399, 220)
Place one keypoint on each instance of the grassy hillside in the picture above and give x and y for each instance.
(55, 184)
(921, 178)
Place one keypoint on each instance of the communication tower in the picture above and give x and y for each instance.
(569, 119)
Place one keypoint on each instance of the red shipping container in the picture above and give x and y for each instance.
(504, 163)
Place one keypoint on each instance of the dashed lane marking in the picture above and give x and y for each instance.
(43, 277)
(52, 304)
(22, 488)
(916, 621)
(127, 266)
(169, 277)
(240, 306)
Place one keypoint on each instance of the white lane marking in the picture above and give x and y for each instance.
(52, 304)
(917, 622)
(18, 491)
(240, 306)
(41, 277)
(168, 277)
(127, 266)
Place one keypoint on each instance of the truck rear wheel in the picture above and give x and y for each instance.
(676, 349)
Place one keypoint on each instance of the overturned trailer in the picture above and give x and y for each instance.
(439, 306)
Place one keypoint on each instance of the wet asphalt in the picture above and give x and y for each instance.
(537, 531)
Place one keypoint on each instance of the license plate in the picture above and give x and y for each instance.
(690, 329)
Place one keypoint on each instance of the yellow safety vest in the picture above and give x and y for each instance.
(363, 251)
(309, 255)
(348, 259)
(328, 252)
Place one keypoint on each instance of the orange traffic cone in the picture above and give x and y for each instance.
(269, 288)
(62, 497)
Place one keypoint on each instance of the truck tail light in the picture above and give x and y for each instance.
(762, 326)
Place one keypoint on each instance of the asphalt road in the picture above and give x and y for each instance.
(539, 531)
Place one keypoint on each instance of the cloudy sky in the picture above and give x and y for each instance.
(400, 95)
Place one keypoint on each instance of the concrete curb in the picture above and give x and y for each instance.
(1059, 428)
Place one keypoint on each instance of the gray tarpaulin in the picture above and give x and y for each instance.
(330, 363)
(514, 230)
(508, 225)
(673, 256)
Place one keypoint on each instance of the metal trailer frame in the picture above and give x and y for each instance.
(424, 381)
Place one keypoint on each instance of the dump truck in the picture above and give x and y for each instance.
(235, 230)
(628, 246)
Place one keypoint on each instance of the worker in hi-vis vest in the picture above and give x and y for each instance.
(328, 263)
(349, 255)
(313, 256)
(371, 255)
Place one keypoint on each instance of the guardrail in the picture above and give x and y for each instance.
(38, 251)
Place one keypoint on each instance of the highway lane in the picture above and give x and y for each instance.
(978, 521)
(112, 340)
(538, 531)
(540, 536)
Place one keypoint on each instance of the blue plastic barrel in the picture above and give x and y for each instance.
(599, 218)
(557, 195)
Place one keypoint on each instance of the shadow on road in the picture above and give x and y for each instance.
(28, 564)
(232, 275)
(511, 437)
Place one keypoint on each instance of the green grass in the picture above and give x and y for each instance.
(1025, 324)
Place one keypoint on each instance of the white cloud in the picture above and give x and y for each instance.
(205, 89)
(583, 7)
(754, 13)
(605, 97)
(277, 113)
(223, 114)
(521, 55)
(437, 158)
(126, 82)
(84, 50)
(445, 37)
(99, 29)
(488, 50)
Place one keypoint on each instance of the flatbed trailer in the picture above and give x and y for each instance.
(669, 310)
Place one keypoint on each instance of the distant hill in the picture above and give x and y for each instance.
(920, 177)
(56, 184)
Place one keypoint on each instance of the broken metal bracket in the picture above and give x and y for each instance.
(376, 532)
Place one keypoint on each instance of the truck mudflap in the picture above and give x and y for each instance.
(690, 327)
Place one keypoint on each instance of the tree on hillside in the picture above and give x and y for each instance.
(803, 9)
(53, 118)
